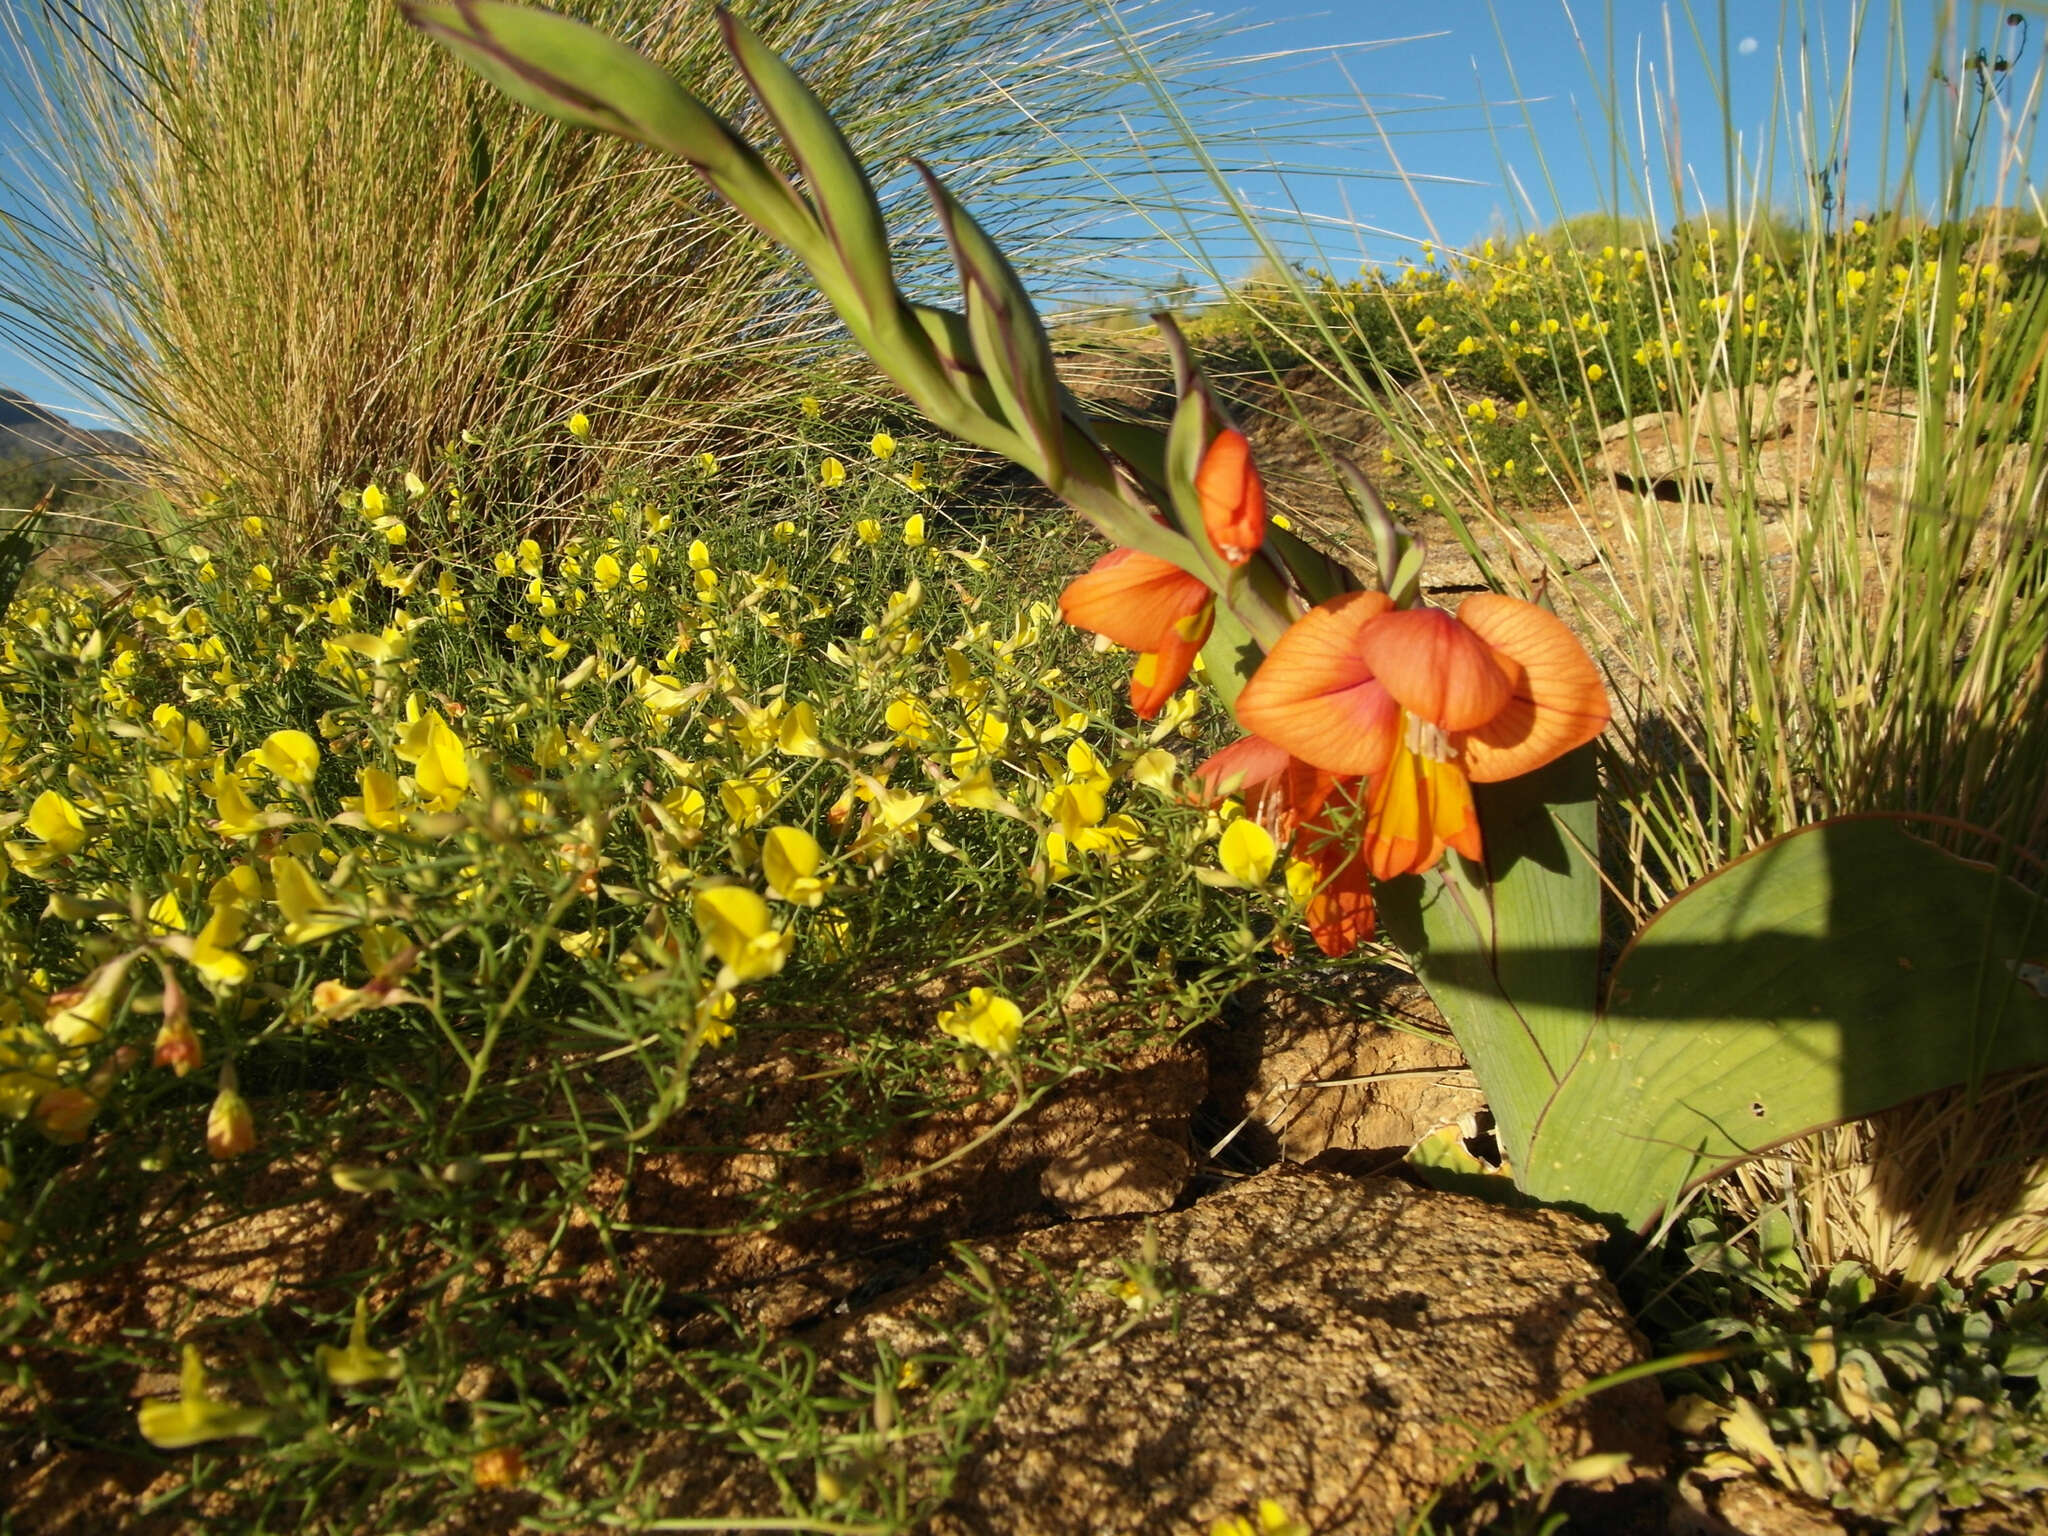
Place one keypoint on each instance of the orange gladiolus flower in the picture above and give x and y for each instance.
(1426, 705)
(1147, 605)
(1292, 799)
(1233, 497)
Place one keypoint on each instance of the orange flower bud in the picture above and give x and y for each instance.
(1233, 497)
(177, 1043)
(178, 1046)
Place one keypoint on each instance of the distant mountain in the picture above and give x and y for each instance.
(39, 435)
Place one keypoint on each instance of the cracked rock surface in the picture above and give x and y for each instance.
(1346, 1340)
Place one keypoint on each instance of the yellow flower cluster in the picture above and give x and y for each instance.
(271, 799)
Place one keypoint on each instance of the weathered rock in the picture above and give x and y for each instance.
(1344, 1342)
(1126, 1173)
(1754, 1506)
(1312, 1075)
(1801, 436)
(692, 1197)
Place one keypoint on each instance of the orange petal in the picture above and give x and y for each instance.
(1436, 668)
(1243, 767)
(1420, 807)
(1314, 695)
(1133, 600)
(1162, 670)
(1340, 914)
(1557, 700)
(1279, 790)
(1233, 497)
(1452, 814)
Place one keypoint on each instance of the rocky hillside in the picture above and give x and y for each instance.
(34, 433)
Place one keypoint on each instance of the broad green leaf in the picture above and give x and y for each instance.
(1008, 336)
(947, 337)
(1142, 448)
(1842, 969)
(1509, 951)
(1229, 658)
(845, 203)
(1319, 576)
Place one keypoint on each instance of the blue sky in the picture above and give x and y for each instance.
(1497, 112)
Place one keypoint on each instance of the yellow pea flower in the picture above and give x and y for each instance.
(579, 426)
(356, 1364)
(831, 473)
(665, 697)
(309, 913)
(714, 1013)
(913, 529)
(897, 816)
(238, 816)
(1273, 1520)
(65, 1114)
(214, 954)
(1156, 769)
(440, 766)
(378, 805)
(986, 739)
(1074, 806)
(868, 531)
(606, 573)
(196, 1416)
(83, 1021)
(59, 823)
(911, 722)
(292, 755)
(1247, 852)
(790, 858)
(986, 1019)
(177, 735)
(736, 926)
(167, 914)
(977, 791)
(798, 734)
(687, 807)
(882, 446)
(230, 1127)
(1303, 881)
(747, 801)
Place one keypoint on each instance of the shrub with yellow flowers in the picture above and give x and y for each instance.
(457, 797)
